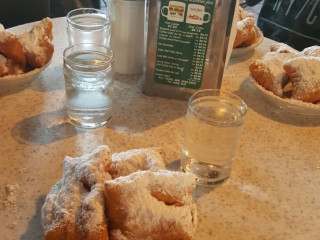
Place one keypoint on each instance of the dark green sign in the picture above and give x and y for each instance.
(184, 30)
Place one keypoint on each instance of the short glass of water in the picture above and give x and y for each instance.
(88, 25)
(88, 72)
(213, 125)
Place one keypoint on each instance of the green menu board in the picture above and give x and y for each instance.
(184, 30)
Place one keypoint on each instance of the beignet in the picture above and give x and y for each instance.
(125, 163)
(269, 72)
(9, 67)
(313, 51)
(11, 47)
(75, 207)
(246, 30)
(304, 73)
(37, 43)
(151, 205)
(32, 49)
(282, 48)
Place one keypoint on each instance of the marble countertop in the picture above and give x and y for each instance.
(272, 193)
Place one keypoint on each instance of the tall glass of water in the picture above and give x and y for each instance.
(213, 126)
(88, 72)
(88, 25)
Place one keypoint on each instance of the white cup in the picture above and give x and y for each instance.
(175, 11)
(128, 36)
(196, 14)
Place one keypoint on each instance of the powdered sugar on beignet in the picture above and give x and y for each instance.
(154, 204)
(151, 205)
(9, 67)
(75, 207)
(11, 47)
(125, 163)
(246, 30)
(282, 48)
(37, 43)
(313, 51)
(269, 72)
(304, 73)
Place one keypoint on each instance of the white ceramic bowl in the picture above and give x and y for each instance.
(21, 79)
(287, 104)
(241, 51)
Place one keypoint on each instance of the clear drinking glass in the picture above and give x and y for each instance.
(88, 25)
(213, 126)
(88, 72)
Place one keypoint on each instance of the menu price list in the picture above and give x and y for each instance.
(181, 53)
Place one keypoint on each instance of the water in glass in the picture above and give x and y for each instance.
(89, 28)
(212, 130)
(88, 92)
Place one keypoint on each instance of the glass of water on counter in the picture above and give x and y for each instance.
(213, 125)
(88, 72)
(88, 25)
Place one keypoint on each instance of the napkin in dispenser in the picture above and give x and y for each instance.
(127, 35)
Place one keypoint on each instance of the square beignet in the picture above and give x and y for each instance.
(75, 207)
(269, 72)
(37, 43)
(125, 163)
(304, 73)
(12, 48)
(151, 205)
(246, 33)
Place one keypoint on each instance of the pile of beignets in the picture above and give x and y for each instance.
(247, 31)
(289, 73)
(27, 51)
(123, 196)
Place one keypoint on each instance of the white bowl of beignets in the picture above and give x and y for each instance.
(241, 51)
(24, 56)
(23, 78)
(288, 105)
(289, 79)
(248, 35)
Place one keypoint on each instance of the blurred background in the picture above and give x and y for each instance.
(16, 12)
